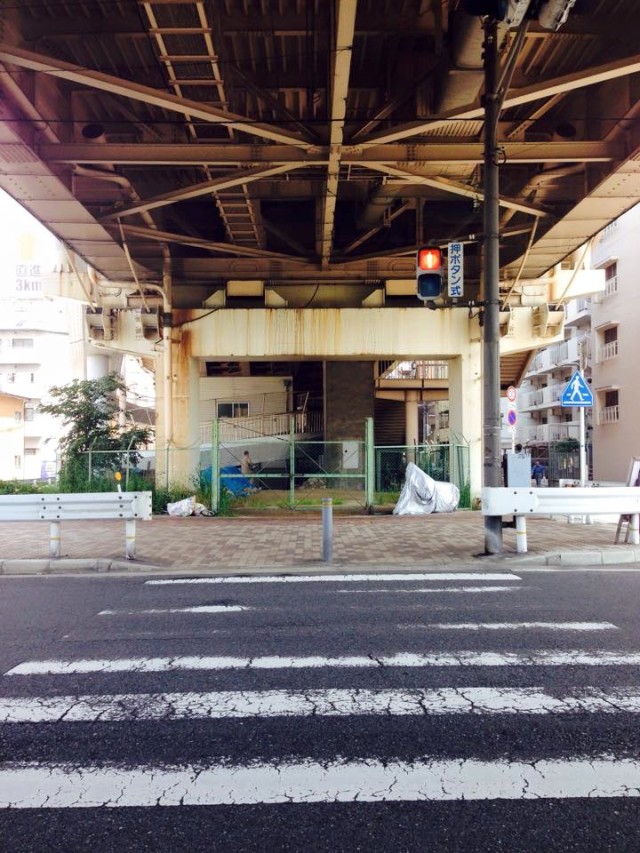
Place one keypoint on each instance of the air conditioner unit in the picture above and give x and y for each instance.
(553, 13)
(516, 11)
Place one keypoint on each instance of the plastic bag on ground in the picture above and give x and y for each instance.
(187, 507)
(421, 494)
(183, 508)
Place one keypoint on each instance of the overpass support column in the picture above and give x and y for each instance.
(178, 443)
(465, 410)
(349, 399)
(411, 402)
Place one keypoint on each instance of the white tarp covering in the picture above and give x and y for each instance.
(421, 494)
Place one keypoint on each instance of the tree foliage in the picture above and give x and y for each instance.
(88, 410)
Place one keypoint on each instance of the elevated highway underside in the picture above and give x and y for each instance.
(245, 154)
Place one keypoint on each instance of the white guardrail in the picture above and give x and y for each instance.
(596, 500)
(82, 506)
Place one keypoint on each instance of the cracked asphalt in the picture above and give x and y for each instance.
(405, 715)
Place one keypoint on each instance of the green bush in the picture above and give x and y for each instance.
(8, 487)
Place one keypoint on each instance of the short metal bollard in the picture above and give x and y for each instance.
(327, 529)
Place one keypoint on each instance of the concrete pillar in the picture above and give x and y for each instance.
(465, 405)
(411, 402)
(178, 463)
(97, 366)
(349, 399)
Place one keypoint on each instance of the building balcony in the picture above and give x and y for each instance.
(607, 351)
(543, 398)
(260, 426)
(609, 415)
(546, 433)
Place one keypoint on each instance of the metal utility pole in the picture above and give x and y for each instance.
(491, 328)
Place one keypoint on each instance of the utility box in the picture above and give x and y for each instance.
(518, 469)
(350, 455)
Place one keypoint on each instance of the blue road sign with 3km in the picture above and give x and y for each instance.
(577, 392)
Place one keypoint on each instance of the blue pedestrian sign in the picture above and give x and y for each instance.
(577, 392)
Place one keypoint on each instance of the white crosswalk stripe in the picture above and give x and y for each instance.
(337, 578)
(67, 786)
(572, 657)
(127, 707)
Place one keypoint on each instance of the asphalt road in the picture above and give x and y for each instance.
(492, 711)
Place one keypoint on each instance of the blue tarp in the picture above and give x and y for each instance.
(237, 485)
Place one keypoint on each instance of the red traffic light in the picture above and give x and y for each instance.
(430, 259)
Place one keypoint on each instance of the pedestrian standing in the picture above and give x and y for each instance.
(537, 472)
(246, 465)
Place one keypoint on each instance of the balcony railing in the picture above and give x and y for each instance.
(611, 286)
(608, 350)
(549, 432)
(610, 414)
(548, 397)
(259, 426)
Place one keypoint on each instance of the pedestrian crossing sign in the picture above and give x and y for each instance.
(577, 392)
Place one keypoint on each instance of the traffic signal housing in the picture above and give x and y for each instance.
(429, 274)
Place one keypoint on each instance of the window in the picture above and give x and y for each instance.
(29, 413)
(611, 398)
(18, 416)
(233, 410)
(30, 451)
(17, 461)
(22, 343)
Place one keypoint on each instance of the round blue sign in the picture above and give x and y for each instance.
(511, 417)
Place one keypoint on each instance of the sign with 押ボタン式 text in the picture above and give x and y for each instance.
(455, 270)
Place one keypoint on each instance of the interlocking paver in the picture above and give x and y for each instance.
(287, 541)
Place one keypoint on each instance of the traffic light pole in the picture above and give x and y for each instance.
(491, 340)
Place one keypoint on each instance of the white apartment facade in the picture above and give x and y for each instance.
(42, 344)
(543, 418)
(616, 345)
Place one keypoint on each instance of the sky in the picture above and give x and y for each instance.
(24, 244)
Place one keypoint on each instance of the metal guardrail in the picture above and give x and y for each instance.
(521, 502)
(82, 506)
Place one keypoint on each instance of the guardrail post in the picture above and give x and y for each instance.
(54, 539)
(130, 539)
(327, 529)
(634, 529)
(521, 534)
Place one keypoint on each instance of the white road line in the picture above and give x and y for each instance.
(435, 589)
(204, 608)
(73, 786)
(134, 707)
(516, 626)
(575, 657)
(404, 576)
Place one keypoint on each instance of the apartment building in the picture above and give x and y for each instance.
(36, 353)
(42, 344)
(601, 340)
(615, 319)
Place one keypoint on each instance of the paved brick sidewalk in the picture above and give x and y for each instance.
(296, 542)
